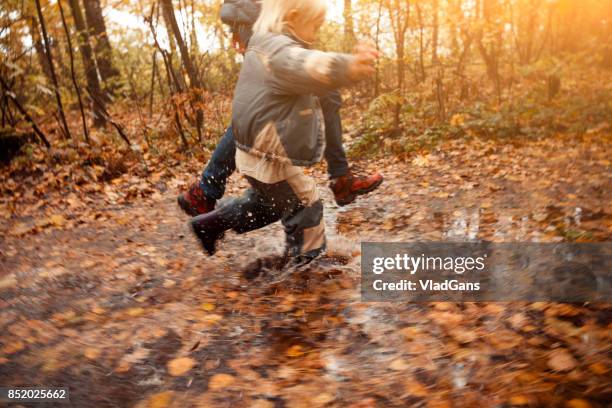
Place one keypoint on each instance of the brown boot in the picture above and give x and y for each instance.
(348, 187)
(194, 202)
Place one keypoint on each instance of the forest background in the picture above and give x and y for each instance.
(490, 120)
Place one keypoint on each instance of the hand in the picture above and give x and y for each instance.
(362, 65)
(237, 43)
(365, 46)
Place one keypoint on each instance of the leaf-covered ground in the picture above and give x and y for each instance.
(103, 289)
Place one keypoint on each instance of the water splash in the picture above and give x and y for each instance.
(464, 225)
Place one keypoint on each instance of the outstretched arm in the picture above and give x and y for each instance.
(297, 70)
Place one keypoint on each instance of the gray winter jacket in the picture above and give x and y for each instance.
(276, 114)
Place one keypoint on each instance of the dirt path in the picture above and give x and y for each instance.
(120, 304)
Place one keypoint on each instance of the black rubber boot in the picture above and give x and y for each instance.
(209, 228)
(243, 214)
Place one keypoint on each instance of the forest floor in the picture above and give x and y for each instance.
(103, 289)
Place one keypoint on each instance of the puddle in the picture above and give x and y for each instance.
(464, 225)
(441, 223)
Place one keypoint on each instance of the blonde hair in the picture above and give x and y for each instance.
(274, 12)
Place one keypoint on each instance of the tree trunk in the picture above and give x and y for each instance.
(57, 48)
(467, 45)
(421, 43)
(440, 94)
(491, 52)
(152, 92)
(40, 48)
(58, 98)
(193, 33)
(91, 73)
(453, 19)
(491, 59)
(349, 25)
(102, 48)
(72, 71)
(435, 32)
(400, 18)
(170, 19)
(173, 84)
(377, 78)
(400, 85)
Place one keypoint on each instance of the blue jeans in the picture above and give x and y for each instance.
(223, 161)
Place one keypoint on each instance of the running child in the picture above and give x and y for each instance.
(279, 127)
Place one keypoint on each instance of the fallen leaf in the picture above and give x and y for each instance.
(8, 281)
(295, 351)
(415, 388)
(561, 360)
(421, 161)
(598, 368)
(517, 321)
(220, 381)
(527, 377)
(57, 220)
(457, 120)
(88, 264)
(389, 224)
(519, 400)
(323, 399)
(398, 365)
(91, 353)
(410, 332)
(158, 332)
(98, 310)
(160, 400)
(135, 312)
(438, 403)
(180, 366)
(212, 318)
(14, 347)
(209, 307)
(21, 229)
(123, 367)
(261, 403)
(464, 335)
(366, 403)
(577, 403)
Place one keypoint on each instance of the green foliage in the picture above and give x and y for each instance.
(527, 110)
(516, 69)
(377, 116)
